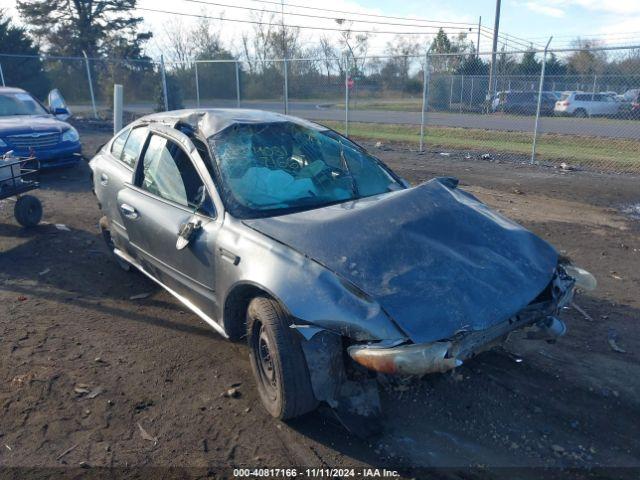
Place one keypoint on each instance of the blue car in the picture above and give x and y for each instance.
(28, 128)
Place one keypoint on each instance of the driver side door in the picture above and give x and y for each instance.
(167, 194)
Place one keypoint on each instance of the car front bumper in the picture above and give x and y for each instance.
(538, 318)
(61, 155)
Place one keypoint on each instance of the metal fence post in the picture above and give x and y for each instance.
(237, 84)
(593, 90)
(346, 96)
(461, 91)
(425, 98)
(2, 76)
(164, 84)
(540, 87)
(117, 108)
(197, 85)
(471, 94)
(286, 87)
(89, 79)
(451, 92)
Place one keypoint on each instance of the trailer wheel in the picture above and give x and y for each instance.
(28, 211)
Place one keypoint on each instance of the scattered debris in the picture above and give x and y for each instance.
(8, 447)
(62, 226)
(557, 449)
(20, 380)
(582, 312)
(632, 210)
(445, 154)
(566, 167)
(379, 145)
(616, 276)
(22, 298)
(143, 405)
(139, 296)
(231, 393)
(95, 392)
(44, 272)
(486, 156)
(205, 445)
(81, 388)
(67, 451)
(613, 341)
(146, 436)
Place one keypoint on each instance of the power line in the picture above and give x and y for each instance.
(362, 14)
(203, 2)
(255, 22)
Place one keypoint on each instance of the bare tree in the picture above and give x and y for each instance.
(177, 44)
(356, 44)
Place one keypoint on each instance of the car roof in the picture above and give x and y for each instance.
(209, 121)
(11, 90)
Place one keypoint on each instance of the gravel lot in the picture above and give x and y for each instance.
(90, 377)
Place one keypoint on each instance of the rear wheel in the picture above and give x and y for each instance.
(108, 240)
(277, 360)
(28, 211)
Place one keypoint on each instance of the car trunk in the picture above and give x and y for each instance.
(435, 258)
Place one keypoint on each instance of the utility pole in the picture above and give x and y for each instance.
(492, 72)
(478, 41)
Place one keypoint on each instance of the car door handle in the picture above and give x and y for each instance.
(104, 179)
(128, 211)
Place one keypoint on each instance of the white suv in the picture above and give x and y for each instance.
(581, 104)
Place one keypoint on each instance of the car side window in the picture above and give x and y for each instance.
(133, 145)
(118, 144)
(167, 171)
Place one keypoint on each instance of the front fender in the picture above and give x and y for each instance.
(311, 293)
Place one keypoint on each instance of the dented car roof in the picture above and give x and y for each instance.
(209, 121)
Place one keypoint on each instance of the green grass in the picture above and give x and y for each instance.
(608, 153)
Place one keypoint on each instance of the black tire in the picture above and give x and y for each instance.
(580, 113)
(106, 236)
(277, 360)
(28, 211)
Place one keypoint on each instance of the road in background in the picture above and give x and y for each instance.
(590, 127)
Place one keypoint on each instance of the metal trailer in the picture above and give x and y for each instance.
(18, 175)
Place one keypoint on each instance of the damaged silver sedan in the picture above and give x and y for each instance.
(285, 233)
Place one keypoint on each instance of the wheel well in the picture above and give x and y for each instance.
(235, 309)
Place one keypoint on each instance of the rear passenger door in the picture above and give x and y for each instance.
(115, 172)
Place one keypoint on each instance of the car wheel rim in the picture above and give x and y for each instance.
(265, 363)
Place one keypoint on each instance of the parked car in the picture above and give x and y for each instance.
(582, 104)
(524, 103)
(635, 107)
(285, 233)
(28, 128)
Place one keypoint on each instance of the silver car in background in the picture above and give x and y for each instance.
(283, 233)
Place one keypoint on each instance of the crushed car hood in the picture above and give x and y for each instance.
(435, 258)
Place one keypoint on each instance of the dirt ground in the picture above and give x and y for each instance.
(90, 377)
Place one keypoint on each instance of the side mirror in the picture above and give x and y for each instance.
(60, 111)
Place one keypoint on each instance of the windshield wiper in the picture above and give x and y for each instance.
(345, 166)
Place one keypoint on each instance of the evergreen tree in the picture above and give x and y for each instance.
(23, 72)
(69, 27)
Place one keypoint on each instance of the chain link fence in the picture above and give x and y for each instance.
(553, 115)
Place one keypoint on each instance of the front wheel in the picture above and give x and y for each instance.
(277, 360)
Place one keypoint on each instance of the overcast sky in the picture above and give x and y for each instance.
(612, 22)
